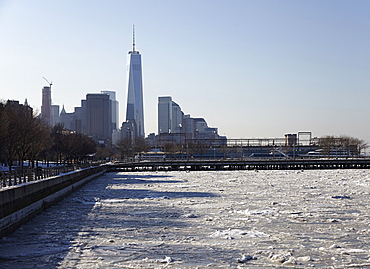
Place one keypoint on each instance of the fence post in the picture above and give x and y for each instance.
(38, 172)
(10, 178)
(25, 175)
(30, 175)
(15, 177)
(3, 179)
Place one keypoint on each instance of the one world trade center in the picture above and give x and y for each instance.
(135, 107)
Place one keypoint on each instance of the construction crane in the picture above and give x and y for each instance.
(50, 83)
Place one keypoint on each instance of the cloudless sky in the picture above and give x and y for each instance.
(258, 68)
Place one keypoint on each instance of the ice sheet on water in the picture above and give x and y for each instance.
(186, 186)
(298, 213)
(237, 233)
(264, 211)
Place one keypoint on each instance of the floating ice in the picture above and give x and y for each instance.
(190, 215)
(304, 259)
(165, 260)
(268, 211)
(237, 233)
(246, 258)
(335, 246)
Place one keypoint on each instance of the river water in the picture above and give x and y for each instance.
(202, 219)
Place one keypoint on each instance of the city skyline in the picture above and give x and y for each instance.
(251, 68)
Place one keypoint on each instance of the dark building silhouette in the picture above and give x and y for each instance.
(99, 118)
(46, 105)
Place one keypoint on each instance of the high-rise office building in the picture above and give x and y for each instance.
(170, 116)
(177, 117)
(135, 106)
(80, 118)
(99, 118)
(115, 108)
(54, 115)
(46, 105)
(173, 125)
(164, 114)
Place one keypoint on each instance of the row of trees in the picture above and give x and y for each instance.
(346, 144)
(23, 136)
(128, 148)
(331, 146)
(69, 146)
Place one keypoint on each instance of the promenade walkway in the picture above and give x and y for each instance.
(202, 219)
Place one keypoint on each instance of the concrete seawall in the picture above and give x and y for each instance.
(21, 203)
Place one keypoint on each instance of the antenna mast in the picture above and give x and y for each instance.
(133, 38)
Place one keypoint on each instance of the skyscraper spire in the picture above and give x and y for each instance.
(135, 106)
(133, 37)
(63, 110)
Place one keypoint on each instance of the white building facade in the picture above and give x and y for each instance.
(169, 116)
(164, 114)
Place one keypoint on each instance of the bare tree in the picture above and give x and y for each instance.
(39, 138)
(124, 146)
(170, 148)
(359, 145)
(57, 136)
(70, 146)
(141, 146)
(102, 153)
(351, 145)
(87, 147)
(347, 144)
(201, 148)
(327, 143)
(12, 134)
(190, 148)
(35, 135)
(41, 142)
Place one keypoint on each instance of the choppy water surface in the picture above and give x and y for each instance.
(220, 219)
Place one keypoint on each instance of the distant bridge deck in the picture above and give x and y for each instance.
(243, 164)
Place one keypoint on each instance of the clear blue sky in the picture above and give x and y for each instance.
(258, 68)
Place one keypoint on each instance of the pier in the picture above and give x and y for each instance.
(242, 164)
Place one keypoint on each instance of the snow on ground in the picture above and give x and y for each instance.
(217, 219)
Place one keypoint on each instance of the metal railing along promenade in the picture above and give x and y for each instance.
(19, 176)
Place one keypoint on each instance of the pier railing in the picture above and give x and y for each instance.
(244, 164)
(19, 176)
